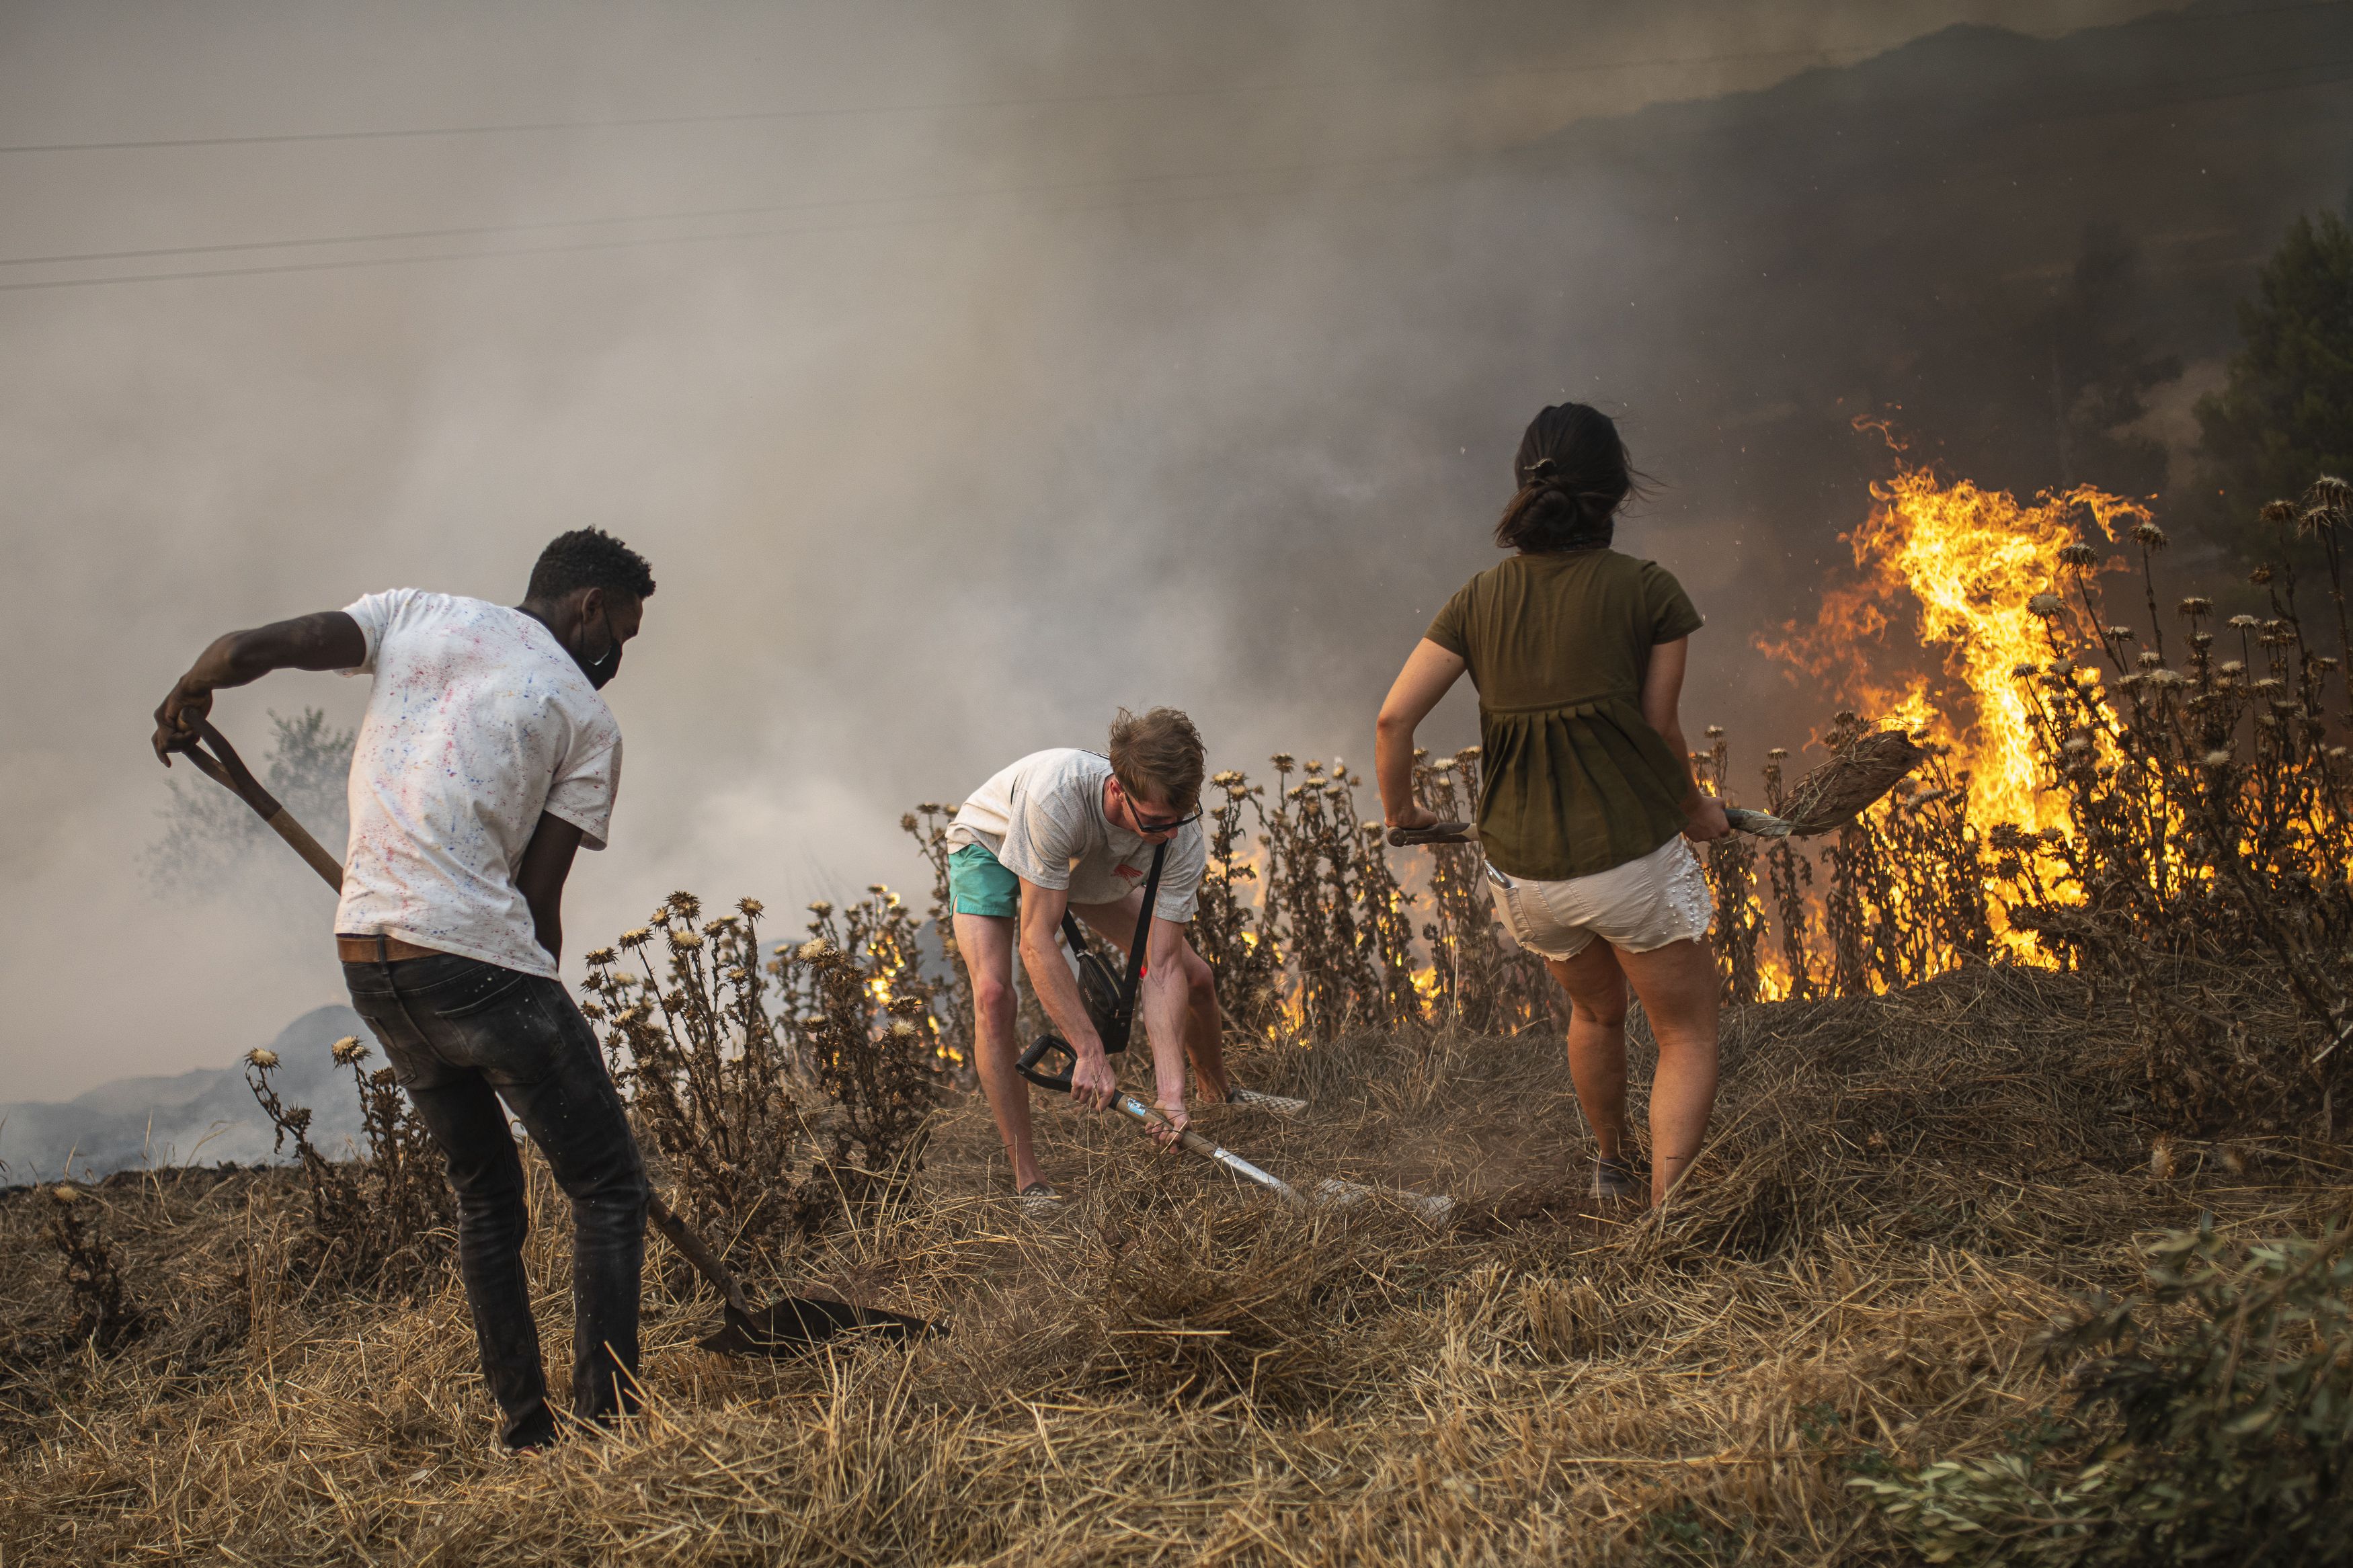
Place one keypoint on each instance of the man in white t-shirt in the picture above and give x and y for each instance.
(1076, 830)
(485, 760)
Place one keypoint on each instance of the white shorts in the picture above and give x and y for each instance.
(1644, 904)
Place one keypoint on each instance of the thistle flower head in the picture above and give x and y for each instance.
(2243, 623)
(2197, 606)
(1283, 762)
(817, 947)
(2045, 605)
(2259, 575)
(2165, 676)
(638, 938)
(262, 1057)
(348, 1050)
(2279, 511)
(902, 1030)
(820, 907)
(2078, 554)
(2148, 535)
(2021, 670)
(2217, 759)
(685, 941)
(2150, 658)
(2232, 666)
(599, 957)
(2062, 666)
(2120, 634)
(751, 909)
(1778, 752)
(2075, 745)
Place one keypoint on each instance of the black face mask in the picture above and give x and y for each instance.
(606, 665)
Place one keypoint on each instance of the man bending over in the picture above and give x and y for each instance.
(485, 760)
(1070, 829)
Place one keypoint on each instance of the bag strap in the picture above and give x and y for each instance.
(1143, 930)
(1075, 934)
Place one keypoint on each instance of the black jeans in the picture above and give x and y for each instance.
(463, 1036)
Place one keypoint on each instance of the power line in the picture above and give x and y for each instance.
(948, 106)
(1825, 55)
(773, 209)
(2163, 105)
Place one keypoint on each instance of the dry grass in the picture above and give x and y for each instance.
(1903, 1190)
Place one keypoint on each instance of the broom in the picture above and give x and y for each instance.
(1833, 795)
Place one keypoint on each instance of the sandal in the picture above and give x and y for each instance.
(1039, 1201)
(1615, 1180)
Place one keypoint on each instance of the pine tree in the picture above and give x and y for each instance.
(2285, 415)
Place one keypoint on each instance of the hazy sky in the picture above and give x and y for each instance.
(1048, 357)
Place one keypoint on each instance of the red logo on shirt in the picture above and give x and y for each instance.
(1130, 872)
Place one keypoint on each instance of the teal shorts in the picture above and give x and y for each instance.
(977, 885)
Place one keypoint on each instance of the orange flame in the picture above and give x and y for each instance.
(1957, 567)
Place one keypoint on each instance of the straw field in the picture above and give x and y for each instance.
(2021, 1235)
(1904, 1192)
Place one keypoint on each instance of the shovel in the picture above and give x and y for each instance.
(1333, 1192)
(1762, 824)
(792, 1325)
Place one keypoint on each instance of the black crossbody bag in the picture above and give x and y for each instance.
(1110, 1002)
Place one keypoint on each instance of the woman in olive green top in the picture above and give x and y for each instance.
(1586, 796)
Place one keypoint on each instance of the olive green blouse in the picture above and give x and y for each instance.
(1572, 779)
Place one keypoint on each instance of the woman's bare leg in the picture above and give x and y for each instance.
(1679, 989)
(1597, 1041)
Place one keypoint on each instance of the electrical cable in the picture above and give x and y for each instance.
(2076, 112)
(960, 105)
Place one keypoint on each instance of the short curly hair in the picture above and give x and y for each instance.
(589, 558)
(1157, 755)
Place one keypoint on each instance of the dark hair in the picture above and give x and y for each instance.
(1573, 477)
(589, 558)
(1158, 755)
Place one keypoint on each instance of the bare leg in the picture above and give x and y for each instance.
(1678, 986)
(1204, 1023)
(1597, 1041)
(987, 943)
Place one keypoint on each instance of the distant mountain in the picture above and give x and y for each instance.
(191, 1118)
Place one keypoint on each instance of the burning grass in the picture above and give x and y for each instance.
(1901, 1191)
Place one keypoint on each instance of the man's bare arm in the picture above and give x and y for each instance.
(1092, 1081)
(1165, 1000)
(546, 862)
(328, 640)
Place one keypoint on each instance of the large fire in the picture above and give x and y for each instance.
(1954, 566)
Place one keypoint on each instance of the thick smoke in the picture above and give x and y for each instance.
(1175, 367)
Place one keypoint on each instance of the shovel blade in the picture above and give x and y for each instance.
(798, 1324)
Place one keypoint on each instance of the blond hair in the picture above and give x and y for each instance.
(1157, 756)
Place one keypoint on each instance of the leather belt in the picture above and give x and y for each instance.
(379, 949)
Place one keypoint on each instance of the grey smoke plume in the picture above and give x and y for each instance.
(1182, 363)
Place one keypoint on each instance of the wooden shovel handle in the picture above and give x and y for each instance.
(226, 769)
(697, 1252)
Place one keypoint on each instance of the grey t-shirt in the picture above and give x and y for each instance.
(1044, 819)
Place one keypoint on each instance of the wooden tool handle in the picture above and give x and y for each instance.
(310, 850)
(1435, 833)
(706, 1262)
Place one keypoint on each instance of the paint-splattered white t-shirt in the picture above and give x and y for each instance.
(1044, 819)
(477, 722)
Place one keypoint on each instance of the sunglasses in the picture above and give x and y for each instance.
(1154, 824)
